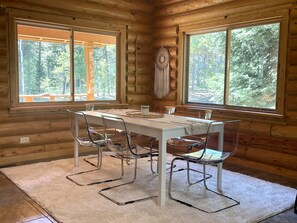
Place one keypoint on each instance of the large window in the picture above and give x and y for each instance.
(63, 64)
(235, 67)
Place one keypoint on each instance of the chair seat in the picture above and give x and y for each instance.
(210, 156)
(184, 142)
(138, 152)
(88, 143)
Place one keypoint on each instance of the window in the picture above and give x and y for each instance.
(235, 67)
(64, 64)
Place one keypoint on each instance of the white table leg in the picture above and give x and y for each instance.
(219, 177)
(220, 166)
(162, 171)
(76, 145)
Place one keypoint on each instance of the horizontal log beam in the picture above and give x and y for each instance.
(3, 89)
(186, 6)
(18, 160)
(255, 128)
(144, 38)
(284, 131)
(131, 88)
(37, 139)
(77, 6)
(144, 79)
(165, 2)
(139, 99)
(144, 59)
(169, 31)
(144, 68)
(269, 157)
(143, 88)
(143, 48)
(140, 27)
(292, 174)
(276, 144)
(222, 10)
(166, 42)
(143, 6)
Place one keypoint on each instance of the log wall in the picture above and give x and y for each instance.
(265, 143)
(49, 131)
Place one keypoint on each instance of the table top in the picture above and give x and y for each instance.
(166, 122)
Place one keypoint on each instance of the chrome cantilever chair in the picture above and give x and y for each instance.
(188, 145)
(191, 142)
(89, 136)
(209, 155)
(123, 148)
(203, 114)
(148, 142)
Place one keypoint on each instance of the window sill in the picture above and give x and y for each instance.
(239, 114)
(29, 110)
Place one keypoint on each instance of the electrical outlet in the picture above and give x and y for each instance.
(24, 140)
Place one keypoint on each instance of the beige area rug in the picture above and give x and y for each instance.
(46, 183)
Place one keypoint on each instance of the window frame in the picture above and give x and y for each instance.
(72, 25)
(226, 25)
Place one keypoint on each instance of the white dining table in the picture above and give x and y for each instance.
(163, 128)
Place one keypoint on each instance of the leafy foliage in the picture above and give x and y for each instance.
(44, 70)
(252, 77)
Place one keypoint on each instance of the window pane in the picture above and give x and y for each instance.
(253, 66)
(94, 66)
(43, 64)
(207, 68)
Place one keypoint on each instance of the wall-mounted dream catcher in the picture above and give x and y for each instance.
(161, 85)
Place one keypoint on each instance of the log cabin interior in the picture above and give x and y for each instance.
(34, 125)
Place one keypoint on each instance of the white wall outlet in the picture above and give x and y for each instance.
(24, 140)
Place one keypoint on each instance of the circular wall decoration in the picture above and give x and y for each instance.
(162, 58)
(161, 85)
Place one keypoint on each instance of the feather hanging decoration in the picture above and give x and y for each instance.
(161, 85)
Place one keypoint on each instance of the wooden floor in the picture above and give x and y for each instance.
(16, 206)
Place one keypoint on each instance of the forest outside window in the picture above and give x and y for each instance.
(62, 64)
(234, 68)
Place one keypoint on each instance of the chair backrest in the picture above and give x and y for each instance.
(201, 113)
(230, 140)
(118, 142)
(209, 149)
(92, 134)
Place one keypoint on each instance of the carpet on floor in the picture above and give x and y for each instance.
(46, 183)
